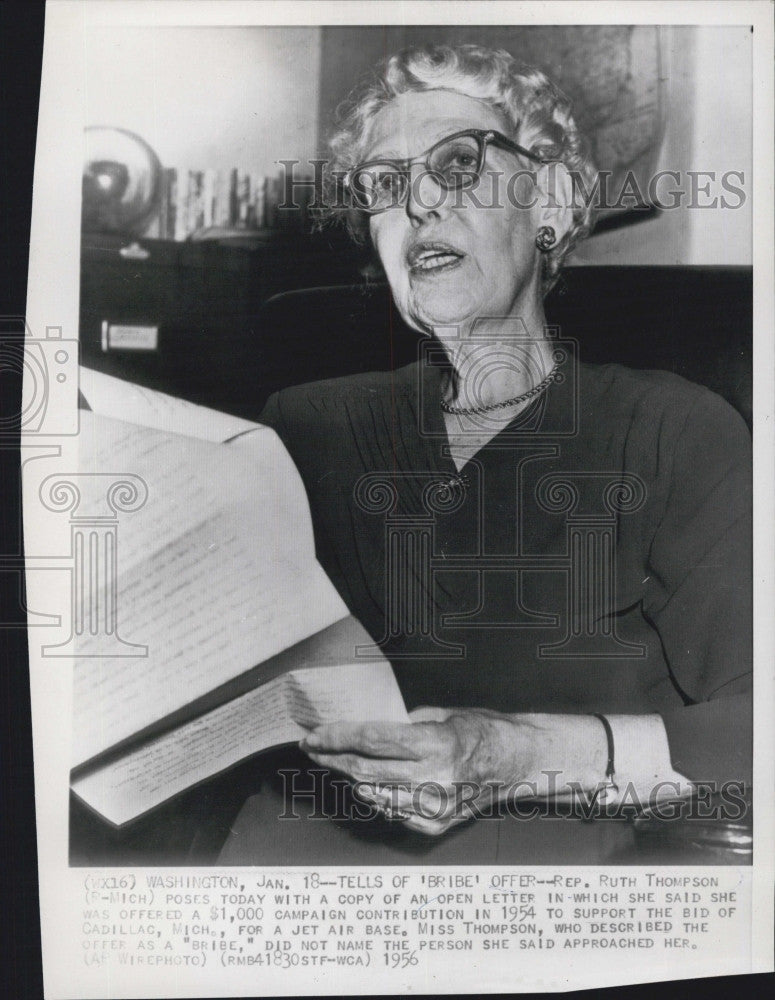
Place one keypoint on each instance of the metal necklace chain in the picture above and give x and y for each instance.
(472, 410)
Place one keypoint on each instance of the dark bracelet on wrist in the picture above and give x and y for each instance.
(609, 786)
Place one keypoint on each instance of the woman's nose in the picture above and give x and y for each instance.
(425, 196)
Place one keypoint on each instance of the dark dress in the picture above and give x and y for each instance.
(531, 581)
(593, 557)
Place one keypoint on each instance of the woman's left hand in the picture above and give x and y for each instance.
(436, 771)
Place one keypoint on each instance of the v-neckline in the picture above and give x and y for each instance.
(431, 415)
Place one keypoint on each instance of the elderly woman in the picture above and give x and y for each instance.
(541, 670)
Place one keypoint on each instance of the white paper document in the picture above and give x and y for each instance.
(216, 573)
(209, 580)
(281, 711)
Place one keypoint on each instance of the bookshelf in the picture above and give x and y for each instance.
(197, 204)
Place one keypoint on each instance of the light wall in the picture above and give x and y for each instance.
(709, 92)
(209, 97)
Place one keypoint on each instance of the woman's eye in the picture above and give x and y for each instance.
(459, 160)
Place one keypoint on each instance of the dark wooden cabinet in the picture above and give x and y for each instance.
(183, 318)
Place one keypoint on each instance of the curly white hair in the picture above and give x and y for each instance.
(535, 112)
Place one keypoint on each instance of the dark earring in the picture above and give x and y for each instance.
(546, 238)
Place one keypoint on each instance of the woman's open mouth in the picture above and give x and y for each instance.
(430, 258)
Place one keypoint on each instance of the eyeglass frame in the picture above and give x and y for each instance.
(484, 137)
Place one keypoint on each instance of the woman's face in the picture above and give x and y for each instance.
(449, 260)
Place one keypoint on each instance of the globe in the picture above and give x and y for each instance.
(122, 180)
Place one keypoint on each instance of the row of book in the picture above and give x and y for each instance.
(193, 201)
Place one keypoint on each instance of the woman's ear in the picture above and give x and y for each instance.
(555, 198)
